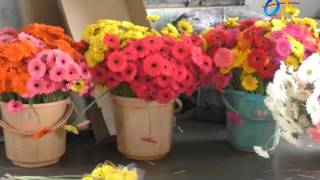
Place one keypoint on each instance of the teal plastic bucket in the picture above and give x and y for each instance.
(257, 127)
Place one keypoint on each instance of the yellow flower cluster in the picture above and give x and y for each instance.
(126, 31)
(109, 172)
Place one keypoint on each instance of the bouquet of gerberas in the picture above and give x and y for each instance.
(251, 50)
(293, 99)
(39, 64)
(134, 61)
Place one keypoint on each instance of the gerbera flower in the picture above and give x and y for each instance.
(179, 73)
(180, 50)
(63, 59)
(296, 47)
(165, 96)
(167, 68)
(112, 80)
(263, 43)
(36, 68)
(283, 48)
(246, 23)
(14, 106)
(223, 58)
(307, 72)
(163, 81)
(153, 65)
(215, 37)
(314, 133)
(170, 30)
(257, 58)
(153, 42)
(206, 64)
(72, 72)
(141, 49)
(117, 62)
(219, 80)
(238, 57)
(292, 61)
(295, 31)
(185, 27)
(232, 37)
(275, 35)
(197, 40)
(35, 86)
(153, 18)
(50, 87)
(129, 73)
(98, 73)
(130, 53)
(268, 70)
(112, 41)
(249, 82)
(37, 42)
(57, 74)
(251, 33)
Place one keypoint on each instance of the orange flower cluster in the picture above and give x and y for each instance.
(13, 71)
(55, 37)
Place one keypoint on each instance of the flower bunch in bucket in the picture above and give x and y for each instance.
(251, 50)
(40, 64)
(135, 61)
(293, 99)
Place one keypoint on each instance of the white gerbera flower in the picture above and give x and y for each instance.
(308, 72)
(313, 107)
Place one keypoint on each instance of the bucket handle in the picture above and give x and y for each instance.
(179, 104)
(53, 127)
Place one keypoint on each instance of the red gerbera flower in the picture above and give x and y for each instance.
(163, 81)
(206, 64)
(130, 53)
(215, 37)
(263, 43)
(129, 73)
(179, 73)
(223, 58)
(153, 65)
(153, 42)
(246, 23)
(112, 41)
(257, 58)
(196, 56)
(165, 96)
(197, 40)
(167, 68)
(180, 50)
(98, 73)
(268, 71)
(232, 37)
(251, 33)
(112, 80)
(117, 62)
(141, 49)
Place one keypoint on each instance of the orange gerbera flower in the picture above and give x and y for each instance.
(243, 44)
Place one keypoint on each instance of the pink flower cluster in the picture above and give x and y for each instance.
(52, 70)
(157, 68)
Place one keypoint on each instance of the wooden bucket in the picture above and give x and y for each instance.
(144, 129)
(19, 127)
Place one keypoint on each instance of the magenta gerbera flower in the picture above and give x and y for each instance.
(129, 73)
(73, 72)
(14, 106)
(223, 58)
(36, 68)
(117, 62)
(153, 65)
(283, 48)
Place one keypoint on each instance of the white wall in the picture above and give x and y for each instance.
(310, 8)
(9, 14)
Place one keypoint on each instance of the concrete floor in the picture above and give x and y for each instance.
(202, 153)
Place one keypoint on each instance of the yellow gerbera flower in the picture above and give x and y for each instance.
(277, 24)
(249, 82)
(263, 23)
(232, 22)
(153, 18)
(185, 27)
(292, 61)
(127, 24)
(78, 86)
(246, 68)
(89, 32)
(238, 57)
(170, 30)
(296, 47)
(226, 70)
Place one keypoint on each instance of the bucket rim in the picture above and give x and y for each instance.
(139, 102)
(245, 94)
(42, 104)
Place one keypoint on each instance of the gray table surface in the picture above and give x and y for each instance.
(201, 153)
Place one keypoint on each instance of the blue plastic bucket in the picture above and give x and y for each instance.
(257, 126)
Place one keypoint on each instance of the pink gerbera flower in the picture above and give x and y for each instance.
(36, 86)
(37, 42)
(314, 133)
(295, 31)
(283, 48)
(85, 71)
(57, 74)
(165, 96)
(153, 65)
(223, 58)
(129, 73)
(153, 42)
(167, 68)
(206, 64)
(112, 80)
(141, 49)
(36, 68)
(274, 36)
(180, 50)
(50, 87)
(98, 73)
(72, 72)
(163, 81)
(14, 106)
(112, 41)
(180, 73)
(130, 53)
(63, 59)
(117, 62)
